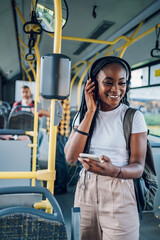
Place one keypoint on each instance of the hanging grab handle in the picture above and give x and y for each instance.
(30, 56)
(32, 26)
(155, 52)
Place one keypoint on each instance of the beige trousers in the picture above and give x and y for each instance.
(108, 208)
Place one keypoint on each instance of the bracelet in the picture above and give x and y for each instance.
(83, 133)
(119, 172)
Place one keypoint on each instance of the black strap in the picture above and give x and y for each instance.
(127, 125)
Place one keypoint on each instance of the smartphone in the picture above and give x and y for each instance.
(91, 156)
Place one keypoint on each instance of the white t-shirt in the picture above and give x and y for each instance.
(26, 104)
(108, 137)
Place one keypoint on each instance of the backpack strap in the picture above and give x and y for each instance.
(127, 125)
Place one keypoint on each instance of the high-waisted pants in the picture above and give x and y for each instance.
(108, 208)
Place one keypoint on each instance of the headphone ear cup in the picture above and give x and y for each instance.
(96, 87)
(127, 86)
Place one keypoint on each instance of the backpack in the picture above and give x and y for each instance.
(145, 186)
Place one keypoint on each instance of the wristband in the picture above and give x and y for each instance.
(81, 132)
(119, 172)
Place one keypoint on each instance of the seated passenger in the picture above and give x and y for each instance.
(28, 101)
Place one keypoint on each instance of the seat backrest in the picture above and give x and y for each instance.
(21, 120)
(3, 117)
(28, 223)
(25, 225)
(2, 121)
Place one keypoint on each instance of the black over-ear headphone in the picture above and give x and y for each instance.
(101, 62)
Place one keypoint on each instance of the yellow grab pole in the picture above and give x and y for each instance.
(18, 175)
(137, 29)
(20, 14)
(74, 78)
(92, 40)
(22, 41)
(123, 50)
(81, 80)
(135, 39)
(53, 129)
(130, 42)
(29, 78)
(36, 112)
(42, 205)
(145, 33)
(78, 63)
(108, 51)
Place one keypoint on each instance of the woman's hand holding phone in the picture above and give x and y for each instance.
(103, 166)
(90, 96)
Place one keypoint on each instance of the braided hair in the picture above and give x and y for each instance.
(95, 69)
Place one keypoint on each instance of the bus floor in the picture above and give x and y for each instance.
(149, 225)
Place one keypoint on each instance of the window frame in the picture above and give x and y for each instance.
(149, 65)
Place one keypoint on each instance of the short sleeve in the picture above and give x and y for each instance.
(76, 119)
(139, 124)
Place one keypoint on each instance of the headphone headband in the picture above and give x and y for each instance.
(101, 62)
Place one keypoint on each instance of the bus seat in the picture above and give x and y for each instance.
(23, 222)
(21, 120)
(7, 105)
(15, 156)
(13, 200)
(3, 118)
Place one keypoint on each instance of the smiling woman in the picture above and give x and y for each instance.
(107, 200)
(111, 86)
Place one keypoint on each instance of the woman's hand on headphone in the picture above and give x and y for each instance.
(90, 96)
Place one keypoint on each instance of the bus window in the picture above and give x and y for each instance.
(148, 101)
(139, 77)
(155, 74)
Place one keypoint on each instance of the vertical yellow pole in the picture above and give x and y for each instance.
(74, 78)
(53, 129)
(123, 50)
(34, 158)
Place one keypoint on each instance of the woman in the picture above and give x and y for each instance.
(105, 191)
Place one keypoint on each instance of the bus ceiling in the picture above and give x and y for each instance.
(82, 21)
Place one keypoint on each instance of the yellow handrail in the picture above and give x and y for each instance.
(92, 40)
(74, 78)
(37, 99)
(53, 129)
(133, 40)
(18, 175)
(29, 78)
(78, 63)
(20, 14)
(22, 41)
